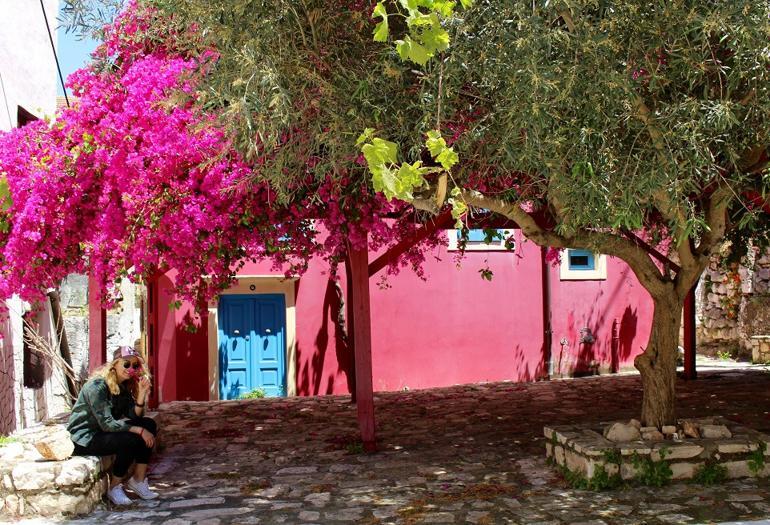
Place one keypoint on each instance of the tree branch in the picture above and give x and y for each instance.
(639, 261)
(669, 209)
(716, 220)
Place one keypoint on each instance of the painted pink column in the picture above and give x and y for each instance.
(359, 267)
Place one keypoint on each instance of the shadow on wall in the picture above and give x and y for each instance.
(595, 347)
(310, 374)
(192, 357)
(521, 366)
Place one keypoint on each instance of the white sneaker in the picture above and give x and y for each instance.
(118, 496)
(141, 488)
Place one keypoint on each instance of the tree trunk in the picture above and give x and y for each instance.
(658, 363)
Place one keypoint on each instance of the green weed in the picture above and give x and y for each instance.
(257, 393)
(757, 459)
(652, 473)
(710, 474)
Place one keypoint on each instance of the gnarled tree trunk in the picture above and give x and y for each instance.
(657, 364)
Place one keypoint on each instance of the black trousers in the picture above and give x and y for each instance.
(127, 446)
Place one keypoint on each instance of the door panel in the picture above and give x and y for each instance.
(252, 344)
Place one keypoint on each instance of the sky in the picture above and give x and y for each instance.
(73, 54)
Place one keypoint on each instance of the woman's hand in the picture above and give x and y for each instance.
(143, 386)
(146, 435)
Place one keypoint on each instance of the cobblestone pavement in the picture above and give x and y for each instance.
(466, 454)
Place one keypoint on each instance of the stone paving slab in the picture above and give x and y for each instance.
(466, 454)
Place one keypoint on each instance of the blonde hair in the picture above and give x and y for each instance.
(110, 376)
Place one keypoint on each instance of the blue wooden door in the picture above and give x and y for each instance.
(252, 348)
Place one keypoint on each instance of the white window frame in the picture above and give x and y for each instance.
(599, 273)
(497, 245)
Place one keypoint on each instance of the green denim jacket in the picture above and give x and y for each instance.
(97, 410)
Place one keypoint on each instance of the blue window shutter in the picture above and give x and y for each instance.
(581, 260)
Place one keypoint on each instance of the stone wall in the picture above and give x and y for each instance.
(733, 303)
(21, 407)
(32, 487)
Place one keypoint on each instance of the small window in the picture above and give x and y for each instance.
(581, 260)
(582, 265)
(499, 240)
(24, 117)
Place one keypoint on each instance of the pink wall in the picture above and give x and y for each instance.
(457, 327)
(323, 360)
(618, 301)
(452, 328)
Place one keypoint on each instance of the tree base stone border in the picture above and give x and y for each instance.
(585, 453)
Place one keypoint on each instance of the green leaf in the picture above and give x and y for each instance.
(379, 10)
(438, 150)
(410, 177)
(411, 50)
(380, 152)
(435, 143)
(366, 136)
(448, 158)
(436, 37)
(381, 31)
(466, 3)
(458, 208)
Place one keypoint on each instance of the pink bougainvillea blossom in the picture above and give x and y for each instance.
(125, 184)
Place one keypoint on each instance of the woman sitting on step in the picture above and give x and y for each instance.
(116, 391)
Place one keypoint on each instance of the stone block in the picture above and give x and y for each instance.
(622, 432)
(691, 429)
(653, 435)
(629, 449)
(33, 476)
(760, 349)
(677, 451)
(54, 503)
(733, 448)
(56, 444)
(669, 429)
(576, 462)
(627, 470)
(592, 465)
(715, 431)
(13, 505)
(7, 482)
(548, 450)
(73, 472)
(559, 455)
(11, 451)
(684, 470)
(737, 469)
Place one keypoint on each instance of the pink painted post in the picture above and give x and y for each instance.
(362, 337)
(97, 327)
